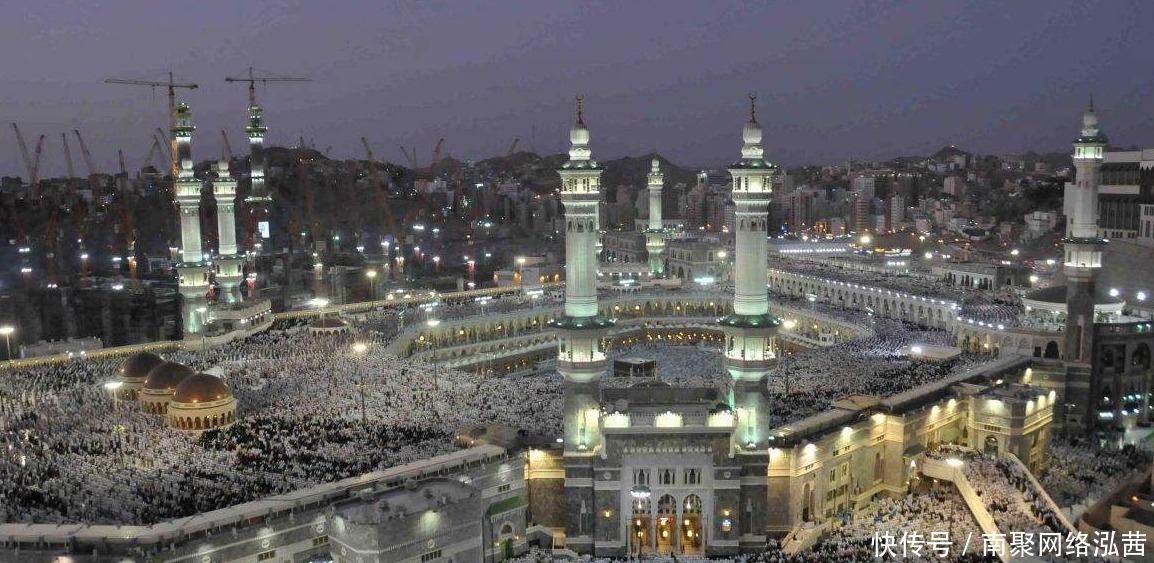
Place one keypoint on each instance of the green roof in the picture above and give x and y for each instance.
(509, 504)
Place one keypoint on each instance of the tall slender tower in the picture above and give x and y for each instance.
(186, 187)
(655, 234)
(1083, 245)
(750, 332)
(229, 264)
(258, 200)
(581, 359)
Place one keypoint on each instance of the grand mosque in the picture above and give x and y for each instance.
(654, 467)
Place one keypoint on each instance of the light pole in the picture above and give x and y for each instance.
(639, 493)
(203, 340)
(7, 331)
(359, 349)
(114, 386)
(372, 274)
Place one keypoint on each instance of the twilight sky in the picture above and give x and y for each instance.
(836, 80)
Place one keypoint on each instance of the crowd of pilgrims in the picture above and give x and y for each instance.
(806, 382)
(1079, 472)
(70, 453)
(1004, 490)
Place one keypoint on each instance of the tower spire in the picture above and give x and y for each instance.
(580, 109)
(1091, 102)
(753, 107)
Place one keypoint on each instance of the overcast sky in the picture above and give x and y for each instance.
(836, 80)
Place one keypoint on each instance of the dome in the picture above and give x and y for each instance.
(201, 388)
(138, 365)
(166, 376)
(751, 133)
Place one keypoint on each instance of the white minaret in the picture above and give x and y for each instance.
(750, 331)
(581, 359)
(229, 264)
(258, 199)
(655, 234)
(192, 268)
(1083, 245)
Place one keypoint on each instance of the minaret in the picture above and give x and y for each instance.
(258, 200)
(186, 188)
(229, 273)
(750, 332)
(1083, 245)
(580, 357)
(655, 234)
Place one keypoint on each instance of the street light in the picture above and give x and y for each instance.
(372, 274)
(113, 387)
(359, 349)
(203, 341)
(7, 331)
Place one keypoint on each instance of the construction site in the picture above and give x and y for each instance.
(93, 254)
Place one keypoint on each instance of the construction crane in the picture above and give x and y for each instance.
(67, 157)
(36, 163)
(227, 146)
(264, 80)
(152, 151)
(87, 156)
(513, 147)
(24, 152)
(382, 200)
(170, 150)
(411, 157)
(436, 156)
(171, 86)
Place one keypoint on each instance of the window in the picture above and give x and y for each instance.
(693, 476)
(266, 555)
(668, 477)
(430, 556)
(320, 540)
(504, 488)
(640, 476)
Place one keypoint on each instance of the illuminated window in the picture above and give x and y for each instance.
(266, 555)
(430, 556)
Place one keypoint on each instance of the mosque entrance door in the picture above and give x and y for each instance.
(666, 524)
(691, 539)
(640, 526)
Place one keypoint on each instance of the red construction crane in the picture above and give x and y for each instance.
(436, 157)
(171, 86)
(264, 80)
(36, 163)
(87, 156)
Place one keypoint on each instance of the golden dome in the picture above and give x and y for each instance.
(201, 388)
(138, 365)
(166, 376)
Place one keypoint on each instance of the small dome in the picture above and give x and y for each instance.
(751, 133)
(201, 388)
(166, 376)
(138, 365)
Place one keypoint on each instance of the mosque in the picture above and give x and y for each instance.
(654, 468)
